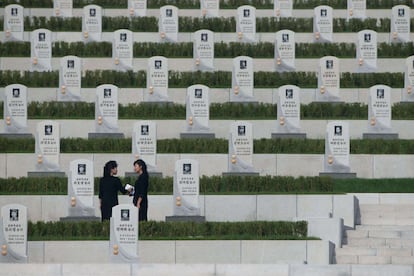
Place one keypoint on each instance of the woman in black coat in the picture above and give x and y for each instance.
(141, 189)
(109, 186)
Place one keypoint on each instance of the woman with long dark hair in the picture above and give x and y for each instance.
(109, 186)
(141, 189)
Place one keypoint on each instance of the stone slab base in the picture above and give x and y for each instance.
(301, 136)
(46, 174)
(16, 135)
(151, 174)
(190, 135)
(186, 218)
(80, 218)
(384, 136)
(241, 174)
(338, 174)
(97, 135)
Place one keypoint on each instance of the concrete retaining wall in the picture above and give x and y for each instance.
(205, 269)
(188, 252)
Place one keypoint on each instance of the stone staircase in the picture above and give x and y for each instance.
(385, 236)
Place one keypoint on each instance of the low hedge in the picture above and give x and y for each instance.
(216, 24)
(218, 111)
(206, 146)
(208, 185)
(152, 230)
(228, 185)
(221, 49)
(217, 79)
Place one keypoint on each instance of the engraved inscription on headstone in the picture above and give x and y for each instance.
(70, 77)
(379, 109)
(62, 8)
(15, 108)
(137, 7)
(92, 23)
(13, 24)
(13, 234)
(41, 50)
(124, 234)
(106, 109)
(242, 79)
(186, 188)
(356, 9)
(322, 24)
(408, 92)
(337, 147)
(203, 50)
(246, 24)
(285, 51)
(209, 8)
(81, 188)
(288, 109)
(400, 23)
(240, 158)
(283, 8)
(168, 24)
(144, 143)
(157, 80)
(367, 51)
(122, 49)
(328, 80)
(48, 146)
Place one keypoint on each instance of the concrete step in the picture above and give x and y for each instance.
(380, 233)
(385, 236)
(379, 242)
(385, 227)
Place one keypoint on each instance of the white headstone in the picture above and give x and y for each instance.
(356, 9)
(186, 188)
(246, 24)
(367, 51)
(209, 8)
(379, 109)
(240, 158)
(337, 147)
(92, 23)
(62, 8)
(106, 109)
(137, 7)
(70, 78)
(81, 188)
(322, 24)
(242, 79)
(283, 8)
(198, 108)
(124, 234)
(157, 80)
(122, 49)
(408, 93)
(285, 47)
(41, 50)
(48, 146)
(13, 235)
(328, 80)
(144, 143)
(13, 23)
(203, 50)
(168, 24)
(15, 108)
(288, 109)
(400, 23)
